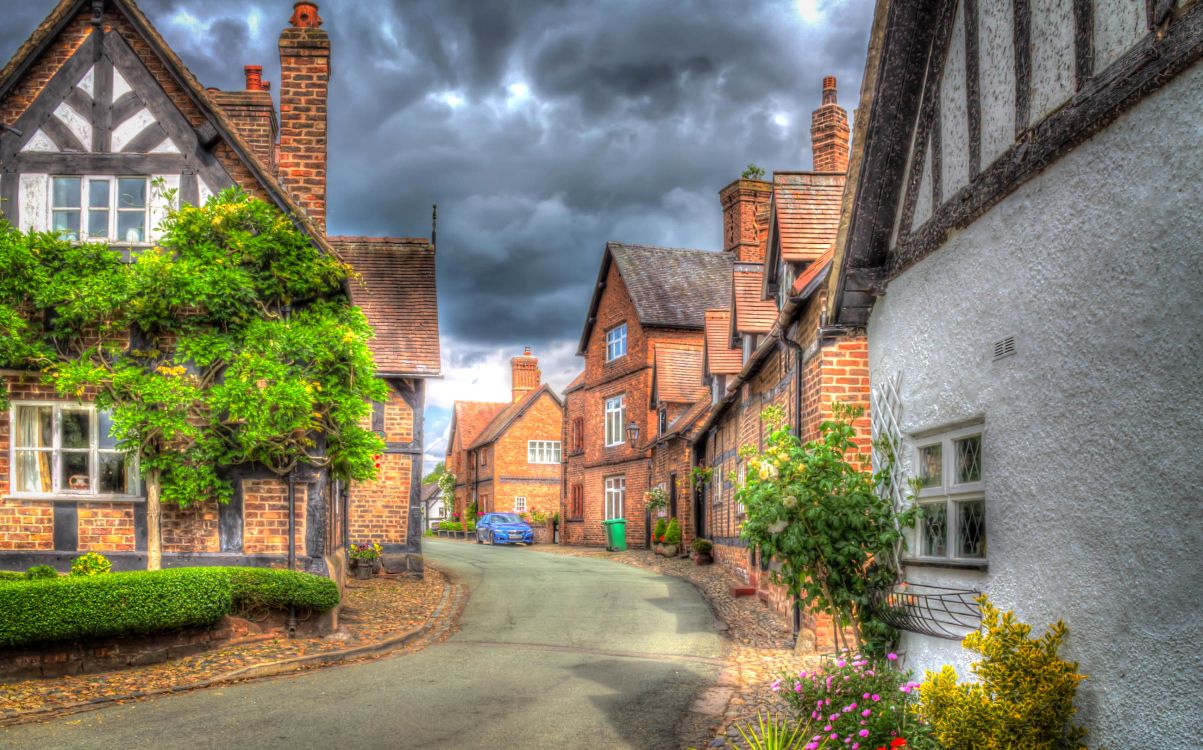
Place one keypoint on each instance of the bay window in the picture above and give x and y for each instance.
(66, 449)
(951, 495)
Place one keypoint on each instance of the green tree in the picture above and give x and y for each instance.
(813, 509)
(231, 343)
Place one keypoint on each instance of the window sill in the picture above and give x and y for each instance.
(79, 498)
(919, 562)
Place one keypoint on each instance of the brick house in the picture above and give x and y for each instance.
(647, 300)
(1023, 249)
(95, 103)
(506, 456)
(771, 345)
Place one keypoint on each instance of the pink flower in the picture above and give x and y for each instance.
(775, 686)
(863, 733)
(855, 745)
(834, 735)
(797, 687)
(840, 663)
(827, 728)
(866, 695)
(866, 712)
(876, 697)
(892, 656)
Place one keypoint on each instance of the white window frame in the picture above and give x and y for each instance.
(616, 417)
(949, 494)
(56, 450)
(112, 209)
(616, 342)
(662, 420)
(519, 504)
(616, 493)
(543, 451)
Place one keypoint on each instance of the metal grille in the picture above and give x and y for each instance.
(1004, 347)
(932, 610)
(886, 413)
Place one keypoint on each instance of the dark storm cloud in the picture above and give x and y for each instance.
(633, 116)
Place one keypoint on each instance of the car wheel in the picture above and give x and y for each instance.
(478, 539)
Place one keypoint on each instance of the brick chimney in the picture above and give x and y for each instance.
(829, 132)
(743, 200)
(524, 374)
(253, 113)
(304, 89)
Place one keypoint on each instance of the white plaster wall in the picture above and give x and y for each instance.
(996, 76)
(1052, 56)
(1094, 428)
(33, 197)
(1118, 24)
(954, 112)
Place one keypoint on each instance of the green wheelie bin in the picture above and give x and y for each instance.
(616, 534)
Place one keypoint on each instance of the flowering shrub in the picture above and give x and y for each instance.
(90, 564)
(365, 552)
(855, 703)
(658, 530)
(1023, 697)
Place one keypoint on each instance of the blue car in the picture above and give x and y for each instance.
(503, 528)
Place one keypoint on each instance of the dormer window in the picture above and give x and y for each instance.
(100, 209)
(616, 342)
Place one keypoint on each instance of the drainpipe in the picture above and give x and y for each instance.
(292, 544)
(799, 355)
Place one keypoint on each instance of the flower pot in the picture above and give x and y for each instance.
(702, 559)
(668, 550)
(362, 569)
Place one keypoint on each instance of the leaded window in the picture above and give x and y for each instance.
(951, 496)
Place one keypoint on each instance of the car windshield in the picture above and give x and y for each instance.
(506, 518)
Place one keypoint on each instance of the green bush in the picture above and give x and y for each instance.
(41, 571)
(280, 589)
(12, 575)
(136, 603)
(702, 546)
(672, 534)
(90, 564)
(450, 526)
(659, 529)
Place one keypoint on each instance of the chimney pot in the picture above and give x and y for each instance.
(304, 16)
(254, 77)
(829, 91)
(524, 374)
(829, 132)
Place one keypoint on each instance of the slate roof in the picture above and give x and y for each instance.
(503, 419)
(470, 419)
(753, 314)
(396, 290)
(721, 357)
(677, 375)
(807, 207)
(670, 287)
(66, 10)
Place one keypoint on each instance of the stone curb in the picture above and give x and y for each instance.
(252, 672)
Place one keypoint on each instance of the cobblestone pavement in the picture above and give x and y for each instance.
(760, 644)
(373, 611)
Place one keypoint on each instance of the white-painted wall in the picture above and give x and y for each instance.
(1093, 442)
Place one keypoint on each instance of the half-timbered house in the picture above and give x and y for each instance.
(1022, 245)
(101, 127)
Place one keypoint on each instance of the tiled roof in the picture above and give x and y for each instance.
(721, 357)
(692, 418)
(678, 375)
(503, 419)
(576, 383)
(471, 418)
(670, 287)
(752, 313)
(812, 272)
(807, 206)
(396, 291)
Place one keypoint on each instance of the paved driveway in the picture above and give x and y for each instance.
(553, 652)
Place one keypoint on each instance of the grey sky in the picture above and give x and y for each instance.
(542, 128)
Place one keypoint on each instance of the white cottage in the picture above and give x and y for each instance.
(1022, 239)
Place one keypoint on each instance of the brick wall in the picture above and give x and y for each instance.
(380, 508)
(543, 420)
(265, 517)
(26, 526)
(669, 458)
(106, 527)
(740, 201)
(195, 528)
(304, 87)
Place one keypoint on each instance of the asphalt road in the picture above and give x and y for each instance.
(553, 652)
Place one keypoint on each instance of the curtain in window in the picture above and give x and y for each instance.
(33, 467)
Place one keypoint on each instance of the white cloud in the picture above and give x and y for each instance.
(474, 372)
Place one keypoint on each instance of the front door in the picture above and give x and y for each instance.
(672, 495)
(699, 510)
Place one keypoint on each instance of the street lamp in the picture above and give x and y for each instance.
(633, 433)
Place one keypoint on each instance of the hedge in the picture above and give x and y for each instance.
(73, 608)
(280, 589)
(137, 603)
(12, 575)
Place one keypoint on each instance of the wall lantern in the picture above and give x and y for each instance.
(633, 432)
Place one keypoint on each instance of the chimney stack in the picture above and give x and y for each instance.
(742, 201)
(524, 374)
(253, 112)
(254, 78)
(304, 91)
(829, 132)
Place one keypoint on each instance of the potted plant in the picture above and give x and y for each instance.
(672, 539)
(364, 559)
(656, 500)
(658, 535)
(703, 551)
